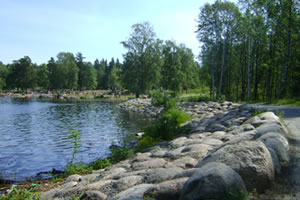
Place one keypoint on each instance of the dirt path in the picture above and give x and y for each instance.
(287, 186)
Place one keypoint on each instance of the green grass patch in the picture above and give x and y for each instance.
(21, 194)
(100, 164)
(195, 98)
(166, 127)
(119, 153)
(289, 102)
(146, 142)
(77, 168)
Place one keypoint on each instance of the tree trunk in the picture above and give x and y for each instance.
(222, 70)
(256, 72)
(287, 56)
(212, 93)
(249, 69)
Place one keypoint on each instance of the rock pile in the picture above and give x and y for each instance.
(226, 153)
(143, 106)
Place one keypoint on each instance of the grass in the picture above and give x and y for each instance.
(21, 194)
(289, 102)
(281, 102)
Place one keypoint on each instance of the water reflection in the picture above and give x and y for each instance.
(34, 135)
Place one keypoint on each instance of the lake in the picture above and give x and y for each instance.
(35, 135)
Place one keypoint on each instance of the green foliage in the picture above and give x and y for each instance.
(119, 153)
(22, 74)
(77, 168)
(157, 97)
(146, 142)
(198, 98)
(100, 164)
(3, 75)
(141, 67)
(168, 124)
(21, 194)
(75, 137)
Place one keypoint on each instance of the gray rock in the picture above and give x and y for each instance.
(270, 127)
(252, 120)
(196, 151)
(249, 135)
(197, 136)
(134, 193)
(179, 142)
(167, 190)
(93, 195)
(110, 173)
(214, 181)
(74, 177)
(215, 127)
(250, 159)
(185, 162)
(149, 164)
(279, 144)
(127, 182)
(241, 129)
(268, 116)
(212, 141)
(159, 175)
(276, 163)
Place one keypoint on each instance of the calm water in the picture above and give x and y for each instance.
(34, 135)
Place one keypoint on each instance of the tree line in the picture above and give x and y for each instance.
(251, 51)
(150, 63)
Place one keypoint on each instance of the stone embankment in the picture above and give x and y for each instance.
(226, 153)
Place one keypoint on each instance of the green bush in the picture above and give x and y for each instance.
(119, 153)
(199, 98)
(157, 97)
(77, 168)
(168, 125)
(21, 194)
(100, 164)
(170, 103)
(146, 142)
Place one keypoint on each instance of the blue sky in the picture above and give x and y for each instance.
(41, 29)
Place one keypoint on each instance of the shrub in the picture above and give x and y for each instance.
(170, 103)
(119, 153)
(146, 142)
(77, 168)
(157, 97)
(199, 98)
(168, 125)
(100, 164)
(21, 194)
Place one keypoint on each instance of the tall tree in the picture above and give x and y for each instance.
(22, 74)
(142, 62)
(3, 75)
(67, 65)
(87, 76)
(43, 76)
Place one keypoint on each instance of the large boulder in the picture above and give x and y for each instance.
(214, 181)
(279, 144)
(250, 159)
(134, 193)
(167, 190)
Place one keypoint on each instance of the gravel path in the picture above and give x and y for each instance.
(288, 186)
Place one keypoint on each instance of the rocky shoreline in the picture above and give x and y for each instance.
(226, 153)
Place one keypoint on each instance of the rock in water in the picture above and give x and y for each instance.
(214, 181)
